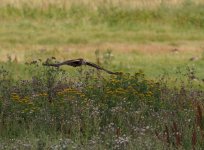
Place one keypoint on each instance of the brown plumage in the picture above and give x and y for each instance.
(79, 62)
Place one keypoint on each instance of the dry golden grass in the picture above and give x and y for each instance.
(94, 4)
(27, 53)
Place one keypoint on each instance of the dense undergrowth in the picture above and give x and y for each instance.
(91, 110)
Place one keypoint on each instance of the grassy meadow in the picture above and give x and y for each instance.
(155, 103)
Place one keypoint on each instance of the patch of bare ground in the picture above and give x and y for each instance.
(152, 48)
(87, 50)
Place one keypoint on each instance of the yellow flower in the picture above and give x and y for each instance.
(59, 93)
(15, 97)
(149, 94)
(82, 95)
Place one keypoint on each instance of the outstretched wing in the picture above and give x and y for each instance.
(79, 62)
(73, 63)
(100, 68)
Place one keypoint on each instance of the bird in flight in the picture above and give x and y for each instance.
(77, 63)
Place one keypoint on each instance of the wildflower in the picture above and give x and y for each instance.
(59, 93)
(24, 100)
(82, 95)
(149, 94)
(15, 97)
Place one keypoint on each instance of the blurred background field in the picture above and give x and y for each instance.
(149, 35)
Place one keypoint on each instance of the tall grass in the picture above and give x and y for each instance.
(93, 110)
(25, 26)
(131, 3)
(187, 13)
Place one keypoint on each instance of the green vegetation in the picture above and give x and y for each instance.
(55, 110)
(29, 31)
(156, 103)
(81, 24)
(153, 64)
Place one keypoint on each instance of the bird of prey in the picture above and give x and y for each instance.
(79, 62)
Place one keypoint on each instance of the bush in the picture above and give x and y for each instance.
(110, 111)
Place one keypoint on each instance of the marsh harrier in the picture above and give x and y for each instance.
(79, 62)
